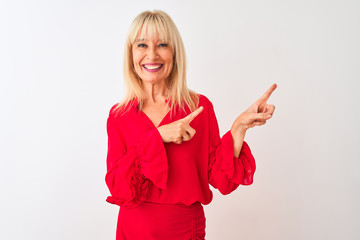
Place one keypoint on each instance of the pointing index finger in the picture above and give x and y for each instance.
(267, 94)
(192, 115)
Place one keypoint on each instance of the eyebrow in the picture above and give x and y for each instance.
(140, 40)
(144, 40)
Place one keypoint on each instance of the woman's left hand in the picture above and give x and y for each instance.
(256, 114)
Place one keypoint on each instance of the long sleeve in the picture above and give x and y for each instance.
(227, 172)
(131, 169)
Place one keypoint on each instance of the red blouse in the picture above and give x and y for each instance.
(141, 167)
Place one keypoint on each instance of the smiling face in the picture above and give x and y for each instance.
(152, 59)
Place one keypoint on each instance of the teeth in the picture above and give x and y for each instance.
(152, 66)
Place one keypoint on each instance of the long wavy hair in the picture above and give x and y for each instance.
(152, 25)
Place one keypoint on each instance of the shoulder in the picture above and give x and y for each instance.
(204, 101)
(118, 110)
(112, 111)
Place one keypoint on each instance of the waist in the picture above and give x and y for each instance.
(170, 209)
(173, 205)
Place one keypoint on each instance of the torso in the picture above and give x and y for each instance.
(156, 113)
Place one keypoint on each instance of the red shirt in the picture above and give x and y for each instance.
(141, 167)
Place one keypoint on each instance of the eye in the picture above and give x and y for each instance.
(141, 45)
(163, 45)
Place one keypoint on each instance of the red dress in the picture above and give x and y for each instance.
(143, 170)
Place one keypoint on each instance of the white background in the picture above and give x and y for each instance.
(61, 71)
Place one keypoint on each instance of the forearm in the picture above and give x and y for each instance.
(238, 135)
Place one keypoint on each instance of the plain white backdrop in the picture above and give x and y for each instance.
(61, 71)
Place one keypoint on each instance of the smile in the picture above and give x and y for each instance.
(152, 67)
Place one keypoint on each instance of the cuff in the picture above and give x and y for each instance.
(239, 170)
(153, 158)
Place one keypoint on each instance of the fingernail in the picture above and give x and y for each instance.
(268, 116)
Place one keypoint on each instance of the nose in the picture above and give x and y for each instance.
(152, 53)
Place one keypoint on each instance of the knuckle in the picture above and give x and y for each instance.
(179, 125)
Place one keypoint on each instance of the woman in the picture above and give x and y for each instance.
(164, 147)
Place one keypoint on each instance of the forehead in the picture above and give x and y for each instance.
(151, 32)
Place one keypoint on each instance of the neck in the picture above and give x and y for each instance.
(155, 92)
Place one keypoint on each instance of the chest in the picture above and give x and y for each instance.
(156, 113)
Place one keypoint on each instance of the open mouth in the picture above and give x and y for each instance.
(152, 66)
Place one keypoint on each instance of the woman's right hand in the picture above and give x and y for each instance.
(179, 130)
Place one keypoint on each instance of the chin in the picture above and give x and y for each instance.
(151, 80)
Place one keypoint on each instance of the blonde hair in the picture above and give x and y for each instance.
(152, 25)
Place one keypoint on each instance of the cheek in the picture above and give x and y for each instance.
(136, 64)
(170, 58)
(135, 58)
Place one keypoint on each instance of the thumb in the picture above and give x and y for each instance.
(260, 116)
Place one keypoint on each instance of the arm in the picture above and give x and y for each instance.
(238, 139)
(226, 170)
(130, 169)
